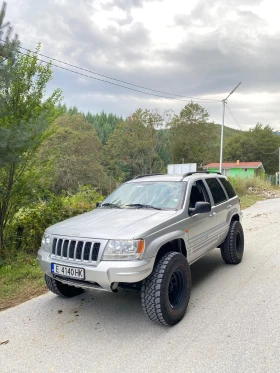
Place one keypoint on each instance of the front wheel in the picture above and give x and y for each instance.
(166, 292)
(61, 289)
(232, 248)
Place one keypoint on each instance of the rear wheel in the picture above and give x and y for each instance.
(61, 289)
(166, 292)
(232, 248)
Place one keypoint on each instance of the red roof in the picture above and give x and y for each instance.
(234, 165)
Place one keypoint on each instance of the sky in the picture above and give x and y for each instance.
(196, 48)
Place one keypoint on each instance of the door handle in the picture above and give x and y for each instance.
(213, 214)
(228, 206)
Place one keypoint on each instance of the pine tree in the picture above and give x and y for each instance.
(8, 45)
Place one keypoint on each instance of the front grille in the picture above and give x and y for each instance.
(77, 250)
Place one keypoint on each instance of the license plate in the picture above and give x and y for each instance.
(66, 271)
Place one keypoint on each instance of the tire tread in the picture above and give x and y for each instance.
(228, 248)
(151, 289)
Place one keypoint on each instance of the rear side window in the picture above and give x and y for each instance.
(216, 190)
(228, 187)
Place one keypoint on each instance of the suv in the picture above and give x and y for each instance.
(145, 236)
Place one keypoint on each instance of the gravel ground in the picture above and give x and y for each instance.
(232, 323)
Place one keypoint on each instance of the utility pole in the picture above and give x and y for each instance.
(224, 101)
(222, 135)
(279, 170)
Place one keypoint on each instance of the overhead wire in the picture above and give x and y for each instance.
(106, 81)
(241, 130)
(277, 150)
(187, 98)
(235, 120)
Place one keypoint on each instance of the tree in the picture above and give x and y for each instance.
(258, 144)
(8, 41)
(104, 124)
(8, 46)
(73, 154)
(163, 147)
(24, 121)
(192, 137)
(132, 147)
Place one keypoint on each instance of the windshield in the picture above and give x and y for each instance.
(157, 194)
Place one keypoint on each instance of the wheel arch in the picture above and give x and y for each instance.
(176, 245)
(235, 217)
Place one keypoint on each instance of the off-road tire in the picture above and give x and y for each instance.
(233, 247)
(61, 289)
(159, 300)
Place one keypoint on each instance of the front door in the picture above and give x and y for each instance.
(202, 234)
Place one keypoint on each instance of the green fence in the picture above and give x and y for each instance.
(272, 179)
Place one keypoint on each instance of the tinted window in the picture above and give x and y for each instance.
(216, 190)
(228, 187)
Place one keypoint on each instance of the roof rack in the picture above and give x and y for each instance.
(139, 176)
(199, 172)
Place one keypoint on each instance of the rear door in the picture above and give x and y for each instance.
(201, 227)
(220, 202)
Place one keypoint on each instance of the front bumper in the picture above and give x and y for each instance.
(104, 274)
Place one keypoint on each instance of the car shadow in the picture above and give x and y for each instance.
(206, 267)
(95, 309)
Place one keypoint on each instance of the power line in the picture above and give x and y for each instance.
(100, 3)
(236, 122)
(117, 80)
(269, 153)
(241, 130)
(106, 81)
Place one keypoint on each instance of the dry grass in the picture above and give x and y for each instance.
(252, 190)
(242, 186)
(249, 200)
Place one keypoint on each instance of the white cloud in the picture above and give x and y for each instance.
(195, 48)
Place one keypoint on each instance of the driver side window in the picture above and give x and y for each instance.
(198, 193)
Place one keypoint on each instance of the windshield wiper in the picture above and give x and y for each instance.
(140, 205)
(108, 204)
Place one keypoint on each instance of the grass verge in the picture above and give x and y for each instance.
(249, 200)
(254, 189)
(20, 279)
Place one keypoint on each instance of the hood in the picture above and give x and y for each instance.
(112, 223)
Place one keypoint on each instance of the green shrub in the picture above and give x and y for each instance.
(26, 230)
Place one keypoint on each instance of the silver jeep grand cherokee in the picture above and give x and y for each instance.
(145, 236)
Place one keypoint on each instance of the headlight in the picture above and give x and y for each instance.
(123, 250)
(46, 242)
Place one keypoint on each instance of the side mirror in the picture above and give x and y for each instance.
(98, 204)
(200, 208)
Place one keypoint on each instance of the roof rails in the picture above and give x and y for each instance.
(139, 176)
(185, 175)
(199, 172)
